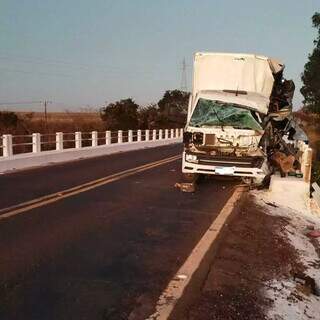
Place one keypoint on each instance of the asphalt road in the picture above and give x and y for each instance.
(102, 254)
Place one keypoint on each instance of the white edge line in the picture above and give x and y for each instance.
(176, 287)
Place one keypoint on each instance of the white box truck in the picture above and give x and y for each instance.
(229, 111)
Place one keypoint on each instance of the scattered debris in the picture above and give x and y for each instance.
(271, 204)
(181, 276)
(296, 295)
(185, 186)
(306, 284)
(314, 234)
(284, 162)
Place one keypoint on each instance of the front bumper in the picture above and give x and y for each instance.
(227, 166)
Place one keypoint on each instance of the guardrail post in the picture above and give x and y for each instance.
(139, 135)
(307, 164)
(7, 145)
(177, 133)
(166, 134)
(172, 134)
(130, 136)
(147, 137)
(78, 139)
(154, 135)
(181, 132)
(59, 140)
(94, 138)
(120, 136)
(36, 142)
(160, 134)
(108, 137)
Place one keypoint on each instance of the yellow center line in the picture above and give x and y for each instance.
(66, 193)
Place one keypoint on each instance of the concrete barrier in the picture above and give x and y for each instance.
(29, 160)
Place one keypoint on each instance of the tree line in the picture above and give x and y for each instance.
(125, 114)
(170, 111)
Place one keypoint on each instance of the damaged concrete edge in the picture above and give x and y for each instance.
(187, 282)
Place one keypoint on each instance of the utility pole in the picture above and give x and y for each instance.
(184, 86)
(45, 104)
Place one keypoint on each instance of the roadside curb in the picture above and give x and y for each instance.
(187, 282)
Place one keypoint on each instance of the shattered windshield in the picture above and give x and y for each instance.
(217, 113)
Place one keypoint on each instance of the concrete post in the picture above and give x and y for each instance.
(154, 135)
(36, 142)
(7, 145)
(94, 138)
(160, 134)
(108, 137)
(59, 141)
(166, 134)
(78, 139)
(120, 136)
(307, 165)
(181, 132)
(130, 136)
(177, 133)
(172, 134)
(147, 137)
(139, 135)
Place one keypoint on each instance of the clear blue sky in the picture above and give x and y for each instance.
(77, 52)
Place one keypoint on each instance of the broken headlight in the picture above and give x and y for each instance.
(187, 137)
(191, 158)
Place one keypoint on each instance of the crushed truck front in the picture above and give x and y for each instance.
(227, 108)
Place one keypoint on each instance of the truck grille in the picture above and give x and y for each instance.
(222, 161)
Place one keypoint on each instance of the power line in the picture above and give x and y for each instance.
(36, 72)
(53, 62)
(19, 103)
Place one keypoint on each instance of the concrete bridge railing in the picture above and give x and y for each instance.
(23, 151)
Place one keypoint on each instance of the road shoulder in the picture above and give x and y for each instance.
(262, 267)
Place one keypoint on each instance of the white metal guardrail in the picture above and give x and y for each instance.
(36, 143)
(28, 151)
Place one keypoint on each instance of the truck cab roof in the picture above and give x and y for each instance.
(230, 74)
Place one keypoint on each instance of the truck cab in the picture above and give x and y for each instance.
(227, 112)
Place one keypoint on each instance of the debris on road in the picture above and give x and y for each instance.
(283, 162)
(314, 234)
(186, 186)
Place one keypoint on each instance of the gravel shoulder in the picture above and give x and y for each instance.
(265, 267)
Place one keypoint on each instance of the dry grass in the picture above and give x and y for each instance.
(66, 122)
(30, 122)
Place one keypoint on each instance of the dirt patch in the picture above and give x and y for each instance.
(253, 251)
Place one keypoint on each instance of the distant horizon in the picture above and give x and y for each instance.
(79, 54)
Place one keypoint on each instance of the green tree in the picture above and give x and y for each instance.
(120, 115)
(148, 117)
(311, 75)
(8, 119)
(173, 107)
